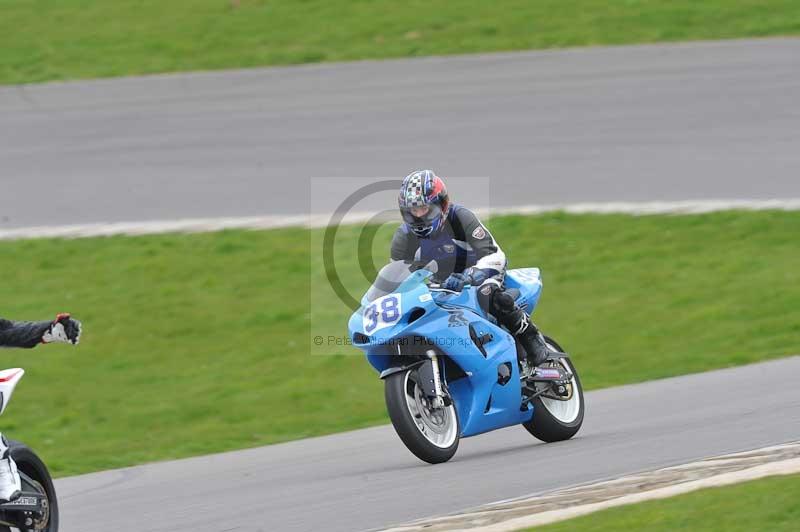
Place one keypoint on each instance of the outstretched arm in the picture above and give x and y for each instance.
(30, 334)
(22, 334)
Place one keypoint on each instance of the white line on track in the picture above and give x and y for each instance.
(205, 225)
(538, 510)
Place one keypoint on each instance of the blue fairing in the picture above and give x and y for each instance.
(413, 318)
(529, 283)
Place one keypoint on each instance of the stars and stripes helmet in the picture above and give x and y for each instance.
(423, 202)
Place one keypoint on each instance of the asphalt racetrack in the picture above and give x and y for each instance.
(715, 120)
(366, 479)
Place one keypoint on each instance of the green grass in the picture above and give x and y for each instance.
(765, 504)
(202, 343)
(66, 39)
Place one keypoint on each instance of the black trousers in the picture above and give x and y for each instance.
(495, 300)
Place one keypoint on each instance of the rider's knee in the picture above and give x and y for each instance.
(486, 295)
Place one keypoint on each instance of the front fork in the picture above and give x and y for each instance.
(438, 401)
(430, 378)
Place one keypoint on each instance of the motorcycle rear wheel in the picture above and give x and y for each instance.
(29, 463)
(432, 434)
(553, 419)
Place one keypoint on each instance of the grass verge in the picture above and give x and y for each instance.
(765, 504)
(67, 39)
(202, 343)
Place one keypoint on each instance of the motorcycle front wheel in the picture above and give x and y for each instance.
(431, 433)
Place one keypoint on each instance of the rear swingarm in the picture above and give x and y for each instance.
(26, 512)
(555, 376)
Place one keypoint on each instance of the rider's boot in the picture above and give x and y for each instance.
(10, 484)
(532, 340)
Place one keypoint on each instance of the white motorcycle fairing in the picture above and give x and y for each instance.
(8, 381)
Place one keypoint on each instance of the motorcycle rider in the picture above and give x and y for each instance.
(465, 251)
(63, 329)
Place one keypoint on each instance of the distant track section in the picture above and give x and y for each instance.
(670, 122)
(269, 222)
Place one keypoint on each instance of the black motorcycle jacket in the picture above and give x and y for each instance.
(22, 334)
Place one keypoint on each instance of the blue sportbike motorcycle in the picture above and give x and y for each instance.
(451, 371)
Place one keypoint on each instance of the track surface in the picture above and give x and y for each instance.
(660, 122)
(366, 479)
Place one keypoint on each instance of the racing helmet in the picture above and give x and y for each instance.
(423, 203)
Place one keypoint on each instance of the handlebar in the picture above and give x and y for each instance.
(437, 287)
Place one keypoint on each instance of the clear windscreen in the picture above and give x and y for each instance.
(393, 275)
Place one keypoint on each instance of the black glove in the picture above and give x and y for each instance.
(64, 329)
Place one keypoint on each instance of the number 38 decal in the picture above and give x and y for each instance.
(382, 312)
